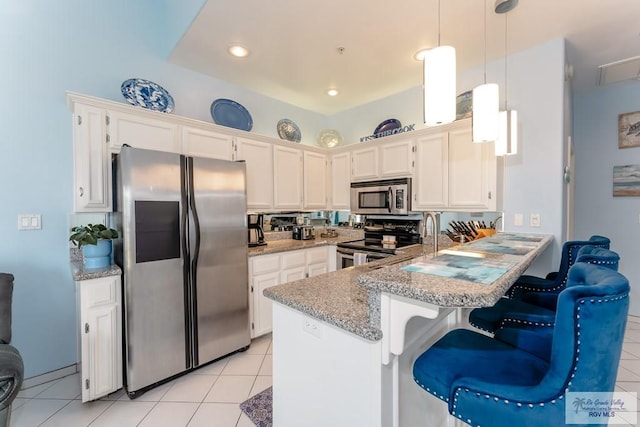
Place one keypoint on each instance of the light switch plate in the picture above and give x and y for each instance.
(29, 222)
(518, 219)
(312, 327)
(534, 220)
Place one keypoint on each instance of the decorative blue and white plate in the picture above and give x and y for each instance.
(387, 125)
(147, 94)
(229, 113)
(288, 130)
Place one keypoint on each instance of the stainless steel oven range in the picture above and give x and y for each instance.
(382, 237)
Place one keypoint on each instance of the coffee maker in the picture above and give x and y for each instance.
(254, 228)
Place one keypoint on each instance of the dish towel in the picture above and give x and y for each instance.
(359, 258)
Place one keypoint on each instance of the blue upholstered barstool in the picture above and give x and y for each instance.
(528, 309)
(555, 281)
(488, 382)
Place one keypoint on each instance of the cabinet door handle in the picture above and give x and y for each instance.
(86, 328)
(81, 192)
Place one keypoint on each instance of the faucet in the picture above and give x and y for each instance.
(436, 228)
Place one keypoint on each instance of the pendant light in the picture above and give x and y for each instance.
(507, 142)
(439, 83)
(486, 103)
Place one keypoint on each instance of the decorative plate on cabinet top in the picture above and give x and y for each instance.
(464, 105)
(329, 138)
(229, 113)
(288, 130)
(387, 125)
(147, 94)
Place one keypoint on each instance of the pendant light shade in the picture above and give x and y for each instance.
(439, 85)
(486, 106)
(507, 142)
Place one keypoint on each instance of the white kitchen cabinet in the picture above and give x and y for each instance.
(100, 336)
(287, 178)
(258, 156)
(275, 269)
(340, 181)
(454, 174)
(317, 261)
(203, 143)
(91, 161)
(382, 161)
(293, 266)
(430, 178)
(472, 173)
(142, 132)
(364, 163)
(396, 159)
(314, 167)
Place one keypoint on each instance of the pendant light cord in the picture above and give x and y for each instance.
(439, 23)
(506, 53)
(484, 3)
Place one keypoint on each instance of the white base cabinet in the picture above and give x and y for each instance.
(100, 336)
(275, 269)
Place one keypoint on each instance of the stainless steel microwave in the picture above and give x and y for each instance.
(383, 197)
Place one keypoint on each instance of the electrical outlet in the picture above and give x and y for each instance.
(518, 220)
(534, 220)
(314, 328)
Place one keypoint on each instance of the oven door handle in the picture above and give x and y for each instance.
(389, 198)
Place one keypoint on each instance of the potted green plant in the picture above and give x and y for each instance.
(95, 242)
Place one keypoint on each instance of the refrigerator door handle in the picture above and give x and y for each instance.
(196, 221)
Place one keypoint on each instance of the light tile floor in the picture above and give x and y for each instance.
(208, 396)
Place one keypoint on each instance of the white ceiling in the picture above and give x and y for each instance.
(294, 44)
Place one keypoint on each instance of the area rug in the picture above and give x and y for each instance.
(259, 408)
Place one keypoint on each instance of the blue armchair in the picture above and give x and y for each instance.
(491, 383)
(555, 281)
(11, 365)
(535, 308)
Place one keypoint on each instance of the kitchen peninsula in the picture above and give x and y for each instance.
(344, 342)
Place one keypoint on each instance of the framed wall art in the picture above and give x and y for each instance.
(629, 130)
(626, 181)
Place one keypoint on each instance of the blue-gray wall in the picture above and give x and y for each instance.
(90, 47)
(596, 152)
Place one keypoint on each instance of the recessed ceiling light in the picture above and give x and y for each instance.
(238, 51)
(332, 92)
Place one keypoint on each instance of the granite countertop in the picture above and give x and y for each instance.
(336, 297)
(80, 273)
(450, 291)
(350, 298)
(282, 245)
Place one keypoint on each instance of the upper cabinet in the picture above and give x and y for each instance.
(472, 173)
(449, 171)
(314, 167)
(142, 132)
(340, 181)
(258, 156)
(454, 174)
(92, 171)
(202, 143)
(287, 178)
(380, 161)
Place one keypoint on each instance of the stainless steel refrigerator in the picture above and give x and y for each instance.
(184, 256)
